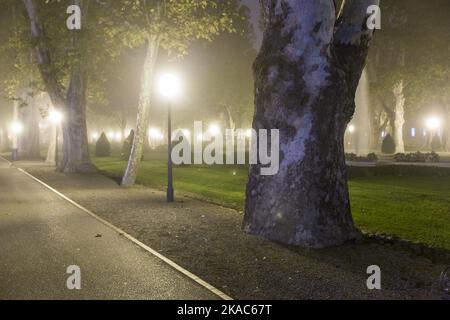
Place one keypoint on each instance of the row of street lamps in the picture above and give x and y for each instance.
(432, 123)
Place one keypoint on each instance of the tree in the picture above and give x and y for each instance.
(306, 76)
(408, 62)
(428, 89)
(172, 26)
(77, 58)
(17, 79)
(388, 69)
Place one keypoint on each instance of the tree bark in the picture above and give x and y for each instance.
(399, 121)
(4, 141)
(142, 121)
(43, 56)
(306, 76)
(29, 138)
(76, 157)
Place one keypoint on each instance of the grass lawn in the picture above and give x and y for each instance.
(414, 208)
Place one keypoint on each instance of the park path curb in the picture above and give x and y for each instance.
(166, 260)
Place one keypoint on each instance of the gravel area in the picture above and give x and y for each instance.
(207, 240)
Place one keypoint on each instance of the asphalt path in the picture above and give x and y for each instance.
(42, 235)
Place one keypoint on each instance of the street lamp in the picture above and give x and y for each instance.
(16, 129)
(110, 136)
(169, 86)
(214, 130)
(56, 118)
(95, 136)
(433, 123)
(118, 136)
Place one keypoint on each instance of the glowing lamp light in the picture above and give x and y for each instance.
(186, 133)
(169, 86)
(118, 136)
(155, 134)
(95, 136)
(56, 117)
(214, 130)
(249, 133)
(351, 128)
(110, 135)
(433, 123)
(16, 128)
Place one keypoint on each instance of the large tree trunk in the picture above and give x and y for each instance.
(75, 141)
(399, 121)
(306, 74)
(73, 105)
(15, 135)
(4, 145)
(29, 139)
(43, 56)
(142, 121)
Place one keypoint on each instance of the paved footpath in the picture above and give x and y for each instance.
(41, 235)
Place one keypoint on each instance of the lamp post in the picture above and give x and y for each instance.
(169, 87)
(56, 118)
(170, 195)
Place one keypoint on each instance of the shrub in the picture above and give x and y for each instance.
(398, 170)
(388, 146)
(372, 157)
(351, 157)
(434, 157)
(417, 157)
(127, 145)
(103, 147)
(400, 157)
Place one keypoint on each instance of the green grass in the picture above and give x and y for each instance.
(414, 208)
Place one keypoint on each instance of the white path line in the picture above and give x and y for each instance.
(177, 267)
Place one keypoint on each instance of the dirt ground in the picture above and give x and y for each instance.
(207, 240)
